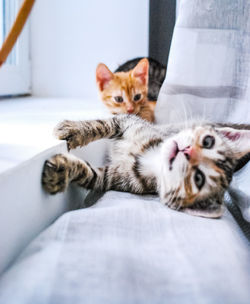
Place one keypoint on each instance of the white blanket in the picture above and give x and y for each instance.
(131, 249)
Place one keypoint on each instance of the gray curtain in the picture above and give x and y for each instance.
(208, 73)
(209, 64)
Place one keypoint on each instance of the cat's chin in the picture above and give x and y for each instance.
(208, 213)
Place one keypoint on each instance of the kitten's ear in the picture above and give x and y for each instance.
(140, 71)
(205, 209)
(238, 139)
(103, 76)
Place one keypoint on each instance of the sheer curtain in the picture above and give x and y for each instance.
(209, 63)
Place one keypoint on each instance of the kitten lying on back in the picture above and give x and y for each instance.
(190, 167)
(133, 88)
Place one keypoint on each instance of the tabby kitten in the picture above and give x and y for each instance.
(133, 88)
(190, 167)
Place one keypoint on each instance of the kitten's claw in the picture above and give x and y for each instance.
(69, 131)
(49, 164)
(55, 176)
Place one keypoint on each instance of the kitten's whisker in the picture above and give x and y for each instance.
(179, 205)
(185, 118)
(173, 197)
(169, 199)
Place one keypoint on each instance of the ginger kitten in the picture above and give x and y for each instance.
(133, 88)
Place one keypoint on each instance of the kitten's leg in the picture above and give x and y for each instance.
(80, 133)
(62, 169)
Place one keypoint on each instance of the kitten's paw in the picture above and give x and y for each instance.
(69, 130)
(55, 176)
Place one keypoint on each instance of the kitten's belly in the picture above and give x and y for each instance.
(133, 144)
(124, 150)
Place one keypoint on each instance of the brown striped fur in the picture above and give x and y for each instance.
(140, 161)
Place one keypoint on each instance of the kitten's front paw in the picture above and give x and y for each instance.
(55, 176)
(69, 130)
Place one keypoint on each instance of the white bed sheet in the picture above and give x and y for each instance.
(131, 249)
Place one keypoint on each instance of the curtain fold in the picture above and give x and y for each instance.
(209, 63)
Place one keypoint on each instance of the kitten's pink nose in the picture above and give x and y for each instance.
(130, 110)
(189, 152)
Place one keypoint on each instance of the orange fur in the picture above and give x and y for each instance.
(126, 85)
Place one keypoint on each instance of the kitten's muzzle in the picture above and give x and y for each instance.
(173, 154)
(189, 153)
(130, 111)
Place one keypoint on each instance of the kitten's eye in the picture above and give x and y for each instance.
(208, 142)
(118, 98)
(137, 97)
(199, 179)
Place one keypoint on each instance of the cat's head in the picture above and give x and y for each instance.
(123, 92)
(197, 167)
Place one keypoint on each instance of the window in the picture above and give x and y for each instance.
(15, 72)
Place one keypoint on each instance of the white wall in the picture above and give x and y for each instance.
(69, 38)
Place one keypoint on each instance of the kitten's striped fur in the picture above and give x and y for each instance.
(169, 160)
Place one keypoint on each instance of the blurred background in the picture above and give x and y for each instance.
(63, 42)
(69, 38)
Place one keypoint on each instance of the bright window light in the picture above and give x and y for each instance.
(15, 72)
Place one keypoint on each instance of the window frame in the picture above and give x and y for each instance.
(15, 79)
